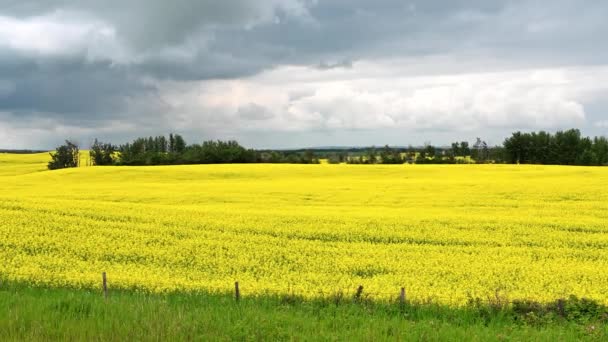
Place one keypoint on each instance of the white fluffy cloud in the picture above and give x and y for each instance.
(60, 34)
(364, 98)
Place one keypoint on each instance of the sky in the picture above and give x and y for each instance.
(300, 73)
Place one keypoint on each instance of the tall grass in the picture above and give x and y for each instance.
(28, 313)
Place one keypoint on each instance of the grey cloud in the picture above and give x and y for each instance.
(254, 111)
(346, 64)
(6, 89)
(147, 23)
(188, 40)
(296, 95)
(71, 89)
(203, 66)
(230, 39)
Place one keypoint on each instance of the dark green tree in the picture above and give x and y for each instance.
(179, 145)
(390, 156)
(102, 153)
(171, 143)
(600, 150)
(455, 149)
(464, 148)
(429, 150)
(65, 156)
(371, 156)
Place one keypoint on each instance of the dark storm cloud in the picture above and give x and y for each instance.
(149, 24)
(245, 36)
(203, 66)
(239, 38)
(67, 88)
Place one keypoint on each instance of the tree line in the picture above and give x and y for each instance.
(562, 148)
(458, 153)
(173, 150)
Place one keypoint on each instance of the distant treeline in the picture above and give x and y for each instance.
(562, 148)
(174, 150)
(22, 151)
(457, 153)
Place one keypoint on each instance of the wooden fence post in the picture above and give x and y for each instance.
(560, 308)
(105, 285)
(237, 292)
(402, 296)
(359, 292)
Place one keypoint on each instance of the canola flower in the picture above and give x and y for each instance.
(445, 233)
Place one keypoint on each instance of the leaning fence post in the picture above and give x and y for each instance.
(237, 292)
(359, 292)
(105, 285)
(402, 296)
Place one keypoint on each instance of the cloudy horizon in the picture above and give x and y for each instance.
(300, 73)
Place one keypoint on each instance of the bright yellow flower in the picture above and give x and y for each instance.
(442, 232)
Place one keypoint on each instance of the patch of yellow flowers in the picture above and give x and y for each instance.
(445, 233)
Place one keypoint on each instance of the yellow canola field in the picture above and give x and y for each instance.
(445, 233)
(18, 164)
